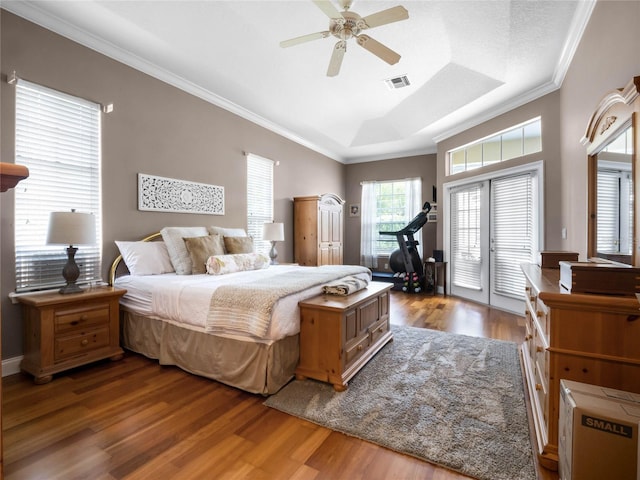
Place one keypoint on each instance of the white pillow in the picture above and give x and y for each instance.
(178, 253)
(145, 258)
(227, 232)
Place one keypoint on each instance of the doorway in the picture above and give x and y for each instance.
(492, 225)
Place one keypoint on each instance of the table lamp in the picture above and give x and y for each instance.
(71, 228)
(273, 232)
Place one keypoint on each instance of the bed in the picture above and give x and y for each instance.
(238, 326)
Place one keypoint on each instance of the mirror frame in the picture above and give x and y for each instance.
(617, 110)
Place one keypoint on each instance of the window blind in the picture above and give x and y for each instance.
(465, 237)
(608, 189)
(396, 203)
(259, 199)
(512, 241)
(58, 140)
(615, 211)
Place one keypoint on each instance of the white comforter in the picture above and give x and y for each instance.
(185, 299)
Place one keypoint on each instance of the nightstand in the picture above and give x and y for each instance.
(67, 331)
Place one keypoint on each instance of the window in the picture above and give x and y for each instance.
(513, 237)
(514, 142)
(259, 199)
(466, 238)
(387, 207)
(58, 140)
(615, 208)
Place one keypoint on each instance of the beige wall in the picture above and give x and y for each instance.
(154, 129)
(423, 166)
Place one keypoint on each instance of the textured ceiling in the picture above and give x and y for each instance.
(466, 61)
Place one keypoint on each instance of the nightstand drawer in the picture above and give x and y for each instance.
(71, 319)
(87, 341)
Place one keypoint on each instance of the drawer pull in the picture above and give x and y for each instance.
(74, 323)
(632, 318)
(538, 313)
(539, 349)
(538, 386)
(84, 342)
(360, 348)
(528, 336)
(380, 329)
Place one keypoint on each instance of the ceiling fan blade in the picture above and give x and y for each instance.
(329, 9)
(304, 38)
(390, 15)
(336, 58)
(378, 49)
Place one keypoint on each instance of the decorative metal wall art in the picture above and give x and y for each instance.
(162, 194)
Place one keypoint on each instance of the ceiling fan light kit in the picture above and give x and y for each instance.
(346, 25)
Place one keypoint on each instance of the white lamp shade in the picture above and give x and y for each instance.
(71, 228)
(273, 232)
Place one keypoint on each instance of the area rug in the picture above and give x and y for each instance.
(453, 400)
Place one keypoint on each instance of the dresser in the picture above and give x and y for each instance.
(67, 331)
(318, 230)
(587, 338)
(339, 335)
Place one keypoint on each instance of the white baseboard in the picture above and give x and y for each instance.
(11, 366)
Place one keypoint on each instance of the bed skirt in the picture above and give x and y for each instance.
(253, 367)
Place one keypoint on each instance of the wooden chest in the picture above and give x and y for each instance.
(339, 335)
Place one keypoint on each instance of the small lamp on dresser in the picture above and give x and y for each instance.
(273, 232)
(71, 228)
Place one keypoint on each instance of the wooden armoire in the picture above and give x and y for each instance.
(318, 225)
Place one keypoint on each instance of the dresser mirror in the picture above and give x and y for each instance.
(612, 141)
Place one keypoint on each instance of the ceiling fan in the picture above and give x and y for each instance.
(345, 25)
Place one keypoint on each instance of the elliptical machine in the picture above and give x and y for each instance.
(405, 261)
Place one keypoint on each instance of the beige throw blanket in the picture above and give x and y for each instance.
(248, 308)
(345, 286)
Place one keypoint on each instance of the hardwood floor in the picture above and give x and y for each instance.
(134, 419)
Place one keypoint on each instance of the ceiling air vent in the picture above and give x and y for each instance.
(397, 82)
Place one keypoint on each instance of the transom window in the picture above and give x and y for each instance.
(517, 141)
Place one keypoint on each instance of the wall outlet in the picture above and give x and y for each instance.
(564, 233)
(386, 266)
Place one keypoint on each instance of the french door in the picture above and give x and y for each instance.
(493, 228)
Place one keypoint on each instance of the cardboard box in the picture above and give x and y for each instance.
(598, 433)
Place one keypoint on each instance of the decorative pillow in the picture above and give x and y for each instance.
(145, 258)
(238, 244)
(227, 232)
(221, 264)
(201, 248)
(173, 237)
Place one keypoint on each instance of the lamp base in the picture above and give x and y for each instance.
(70, 288)
(273, 253)
(71, 272)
